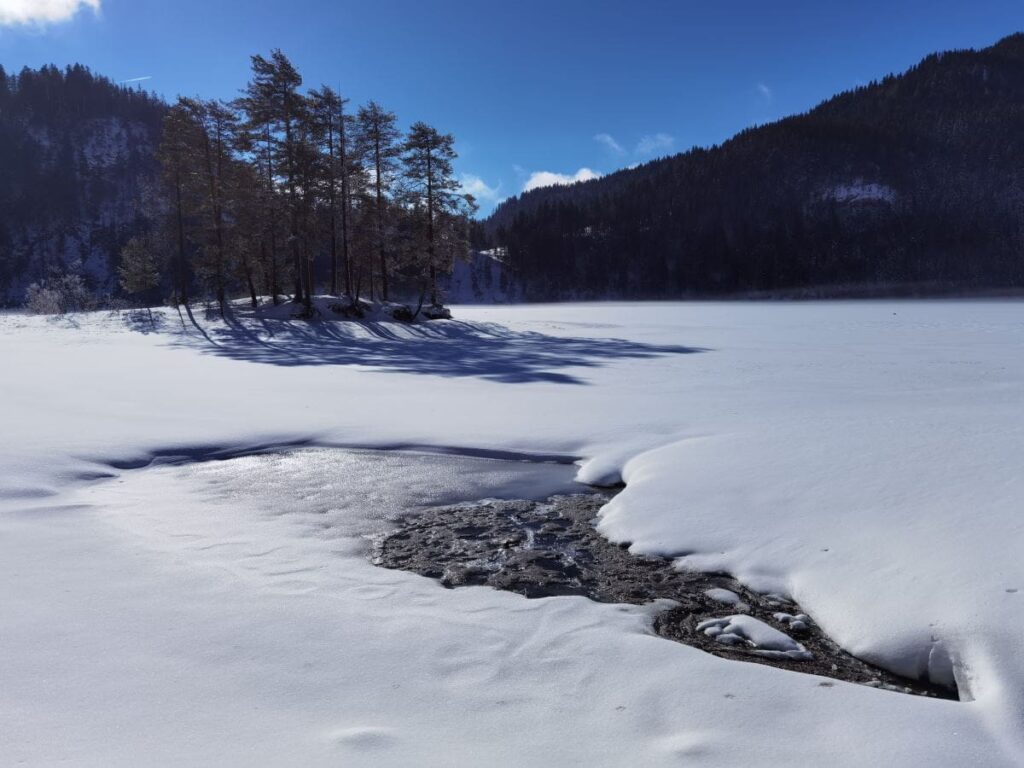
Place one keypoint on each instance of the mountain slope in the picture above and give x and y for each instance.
(77, 153)
(912, 181)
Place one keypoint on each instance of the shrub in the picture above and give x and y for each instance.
(58, 295)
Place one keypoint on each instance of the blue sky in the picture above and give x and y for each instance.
(527, 87)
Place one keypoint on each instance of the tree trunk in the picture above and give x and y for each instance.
(275, 283)
(294, 217)
(344, 201)
(309, 285)
(215, 179)
(252, 283)
(182, 274)
(334, 217)
(380, 225)
(430, 229)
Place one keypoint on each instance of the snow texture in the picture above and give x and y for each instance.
(861, 191)
(753, 633)
(860, 458)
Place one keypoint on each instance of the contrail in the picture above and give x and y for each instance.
(135, 79)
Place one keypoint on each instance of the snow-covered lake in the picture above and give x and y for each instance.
(175, 593)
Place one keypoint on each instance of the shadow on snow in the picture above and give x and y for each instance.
(441, 348)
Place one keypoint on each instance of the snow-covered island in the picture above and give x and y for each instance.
(187, 518)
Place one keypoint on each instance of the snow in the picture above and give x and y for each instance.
(720, 595)
(860, 458)
(741, 630)
(860, 191)
(797, 622)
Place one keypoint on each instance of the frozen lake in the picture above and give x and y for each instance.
(861, 458)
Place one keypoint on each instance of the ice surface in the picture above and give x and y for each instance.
(861, 458)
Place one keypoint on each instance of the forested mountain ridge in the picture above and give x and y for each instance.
(77, 160)
(914, 180)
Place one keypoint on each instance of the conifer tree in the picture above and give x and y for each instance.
(434, 193)
(255, 145)
(177, 140)
(327, 115)
(213, 167)
(275, 108)
(246, 244)
(378, 137)
(139, 271)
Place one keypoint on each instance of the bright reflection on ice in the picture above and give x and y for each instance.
(352, 492)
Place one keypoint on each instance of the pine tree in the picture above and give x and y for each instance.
(255, 144)
(177, 140)
(434, 193)
(275, 108)
(139, 272)
(308, 172)
(246, 238)
(378, 138)
(327, 115)
(213, 169)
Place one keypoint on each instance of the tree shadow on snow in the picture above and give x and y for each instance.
(441, 348)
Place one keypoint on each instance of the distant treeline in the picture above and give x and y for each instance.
(282, 192)
(917, 179)
(913, 182)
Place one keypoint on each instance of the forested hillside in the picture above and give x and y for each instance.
(76, 165)
(914, 181)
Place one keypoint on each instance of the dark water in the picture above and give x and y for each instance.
(542, 549)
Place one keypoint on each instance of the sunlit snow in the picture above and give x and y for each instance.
(217, 607)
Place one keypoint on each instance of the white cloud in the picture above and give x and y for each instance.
(765, 91)
(14, 12)
(610, 143)
(478, 188)
(551, 179)
(655, 144)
